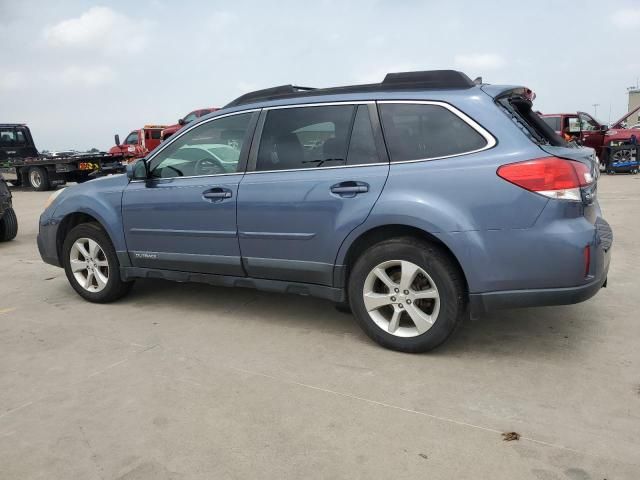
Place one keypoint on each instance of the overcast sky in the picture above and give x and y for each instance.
(79, 71)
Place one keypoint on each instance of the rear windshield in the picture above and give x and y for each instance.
(519, 109)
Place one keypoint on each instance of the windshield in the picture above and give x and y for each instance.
(132, 139)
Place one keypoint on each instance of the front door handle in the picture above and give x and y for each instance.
(217, 194)
(349, 189)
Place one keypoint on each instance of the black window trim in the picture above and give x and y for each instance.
(242, 161)
(375, 124)
(488, 137)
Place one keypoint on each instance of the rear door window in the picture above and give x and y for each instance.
(422, 131)
(305, 137)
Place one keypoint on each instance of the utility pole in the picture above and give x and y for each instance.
(595, 109)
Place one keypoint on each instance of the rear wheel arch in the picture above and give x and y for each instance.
(386, 232)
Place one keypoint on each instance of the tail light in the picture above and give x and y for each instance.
(552, 177)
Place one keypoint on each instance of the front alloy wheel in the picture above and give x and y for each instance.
(89, 265)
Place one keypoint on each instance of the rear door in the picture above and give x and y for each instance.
(314, 175)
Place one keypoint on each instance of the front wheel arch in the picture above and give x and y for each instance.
(68, 223)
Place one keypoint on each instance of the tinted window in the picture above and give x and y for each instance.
(7, 137)
(155, 134)
(209, 149)
(132, 139)
(305, 137)
(191, 117)
(362, 147)
(553, 122)
(415, 132)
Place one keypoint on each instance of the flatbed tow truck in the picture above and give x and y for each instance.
(22, 164)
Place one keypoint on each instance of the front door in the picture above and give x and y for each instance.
(592, 134)
(184, 216)
(315, 176)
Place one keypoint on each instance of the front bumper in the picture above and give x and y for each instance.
(47, 241)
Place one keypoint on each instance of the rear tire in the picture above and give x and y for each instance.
(415, 294)
(8, 225)
(91, 264)
(39, 179)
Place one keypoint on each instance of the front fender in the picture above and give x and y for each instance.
(100, 199)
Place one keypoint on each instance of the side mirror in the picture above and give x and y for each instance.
(117, 139)
(137, 170)
(181, 121)
(604, 128)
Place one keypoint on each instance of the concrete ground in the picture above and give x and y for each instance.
(194, 382)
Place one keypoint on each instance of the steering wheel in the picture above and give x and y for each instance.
(208, 166)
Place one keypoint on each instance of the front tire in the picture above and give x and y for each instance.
(8, 225)
(407, 294)
(91, 264)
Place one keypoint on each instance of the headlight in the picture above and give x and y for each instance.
(52, 197)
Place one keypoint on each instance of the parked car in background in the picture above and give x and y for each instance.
(188, 118)
(8, 219)
(590, 132)
(22, 164)
(414, 201)
(138, 143)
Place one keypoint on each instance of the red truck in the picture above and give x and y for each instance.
(190, 117)
(590, 132)
(138, 143)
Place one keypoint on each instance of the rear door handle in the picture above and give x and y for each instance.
(349, 189)
(217, 194)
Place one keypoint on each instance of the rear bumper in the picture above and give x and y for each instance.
(486, 302)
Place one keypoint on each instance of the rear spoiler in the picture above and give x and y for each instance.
(496, 91)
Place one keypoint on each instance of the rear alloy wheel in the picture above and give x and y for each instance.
(91, 264)
(39, 179)
(407, 294)
(401, 298)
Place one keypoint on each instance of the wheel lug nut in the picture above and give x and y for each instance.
(393, 299)
(406, 292)
(399, 305)
(408, 302)
(397, 290)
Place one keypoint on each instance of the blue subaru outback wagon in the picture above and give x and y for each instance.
(412, 202)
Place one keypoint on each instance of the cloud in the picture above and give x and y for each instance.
(12, 80)
(479, 61)
(93, 76)
(99, 28)
(626, 18)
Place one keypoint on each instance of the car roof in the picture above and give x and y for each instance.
(403, 81)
